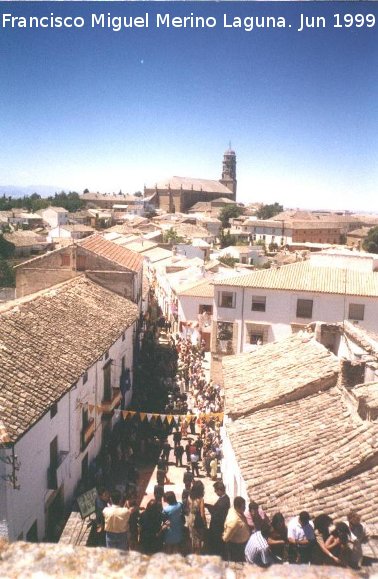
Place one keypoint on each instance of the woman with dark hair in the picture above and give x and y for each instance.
(338, 544)
(173, 526)
(321, 554)
(277, 538)
(149, 525)
(196, 517)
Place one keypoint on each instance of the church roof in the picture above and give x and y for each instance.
(188, 184)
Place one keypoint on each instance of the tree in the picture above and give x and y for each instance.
(226, 239)
(171, 236)
(7, 277)
(86, 191)
(269, 211)
(228, 260)
(370, 244)
(6, 248)
(70, 201)
(138, 194)
(230, 212)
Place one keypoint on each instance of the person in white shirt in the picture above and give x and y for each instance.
(257, 551)
(301, 537)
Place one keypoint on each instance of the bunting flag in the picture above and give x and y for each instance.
(176, 419)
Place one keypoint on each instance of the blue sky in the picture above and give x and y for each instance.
(116, 110)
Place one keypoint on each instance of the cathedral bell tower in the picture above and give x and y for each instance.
(229, 171)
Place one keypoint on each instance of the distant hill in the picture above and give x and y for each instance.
(42, 190)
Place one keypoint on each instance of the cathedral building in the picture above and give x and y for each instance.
(181, 193)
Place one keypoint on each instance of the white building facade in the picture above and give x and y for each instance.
(269, 305)
(55, 452)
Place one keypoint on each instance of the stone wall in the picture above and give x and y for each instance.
(21, 560)
(66, 263)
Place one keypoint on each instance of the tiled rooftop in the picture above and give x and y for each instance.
(310, 454)
(303, 276)
(120, 255)
(157, 254)
(25, 238)
(47, 341)
(277, 373)
(188, 183)
(201, 289)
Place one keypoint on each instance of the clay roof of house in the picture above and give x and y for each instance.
(303, 276)
(116, 253)
(311, 454)
(276, 373)
(141, 245)
(368, 393)
(157, 254)
(361, 232)
(76, 227)
(47, 341)
(188, 183)
(56, 209)
(124, 229)
(202, 289)
(190, 231)
(25, 238)
(200, 206)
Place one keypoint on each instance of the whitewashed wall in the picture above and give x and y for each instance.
(281, 311)
(28, 504)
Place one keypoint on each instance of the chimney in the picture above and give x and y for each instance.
(351, 372)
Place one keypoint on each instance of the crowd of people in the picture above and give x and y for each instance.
(191, 525)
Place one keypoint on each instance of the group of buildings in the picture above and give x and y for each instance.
(295, 347)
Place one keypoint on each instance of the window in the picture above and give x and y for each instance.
(107, 383)
(85, 377)
(256, 339)
(258, 303)
(65, 259)
(356, 311)
(54, 410)
(205, 309)
(106, 354)
(80, 263)
(123, 336)
(304, 308)
(85, 417)
(257, 334)
(226, 299)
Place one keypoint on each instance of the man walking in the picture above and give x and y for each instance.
(218, 512)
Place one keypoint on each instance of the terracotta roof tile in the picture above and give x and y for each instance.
(322, 457)
(277, 373)
(118, 254)
(303, 276)
(201, 289)
(48, 341)
(188, 183)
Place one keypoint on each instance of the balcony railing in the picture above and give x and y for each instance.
(87, 434)
(108, 406)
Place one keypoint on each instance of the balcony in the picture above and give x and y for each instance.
(109, 405)
(87, 434)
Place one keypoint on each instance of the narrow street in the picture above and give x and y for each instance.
(175, 474)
